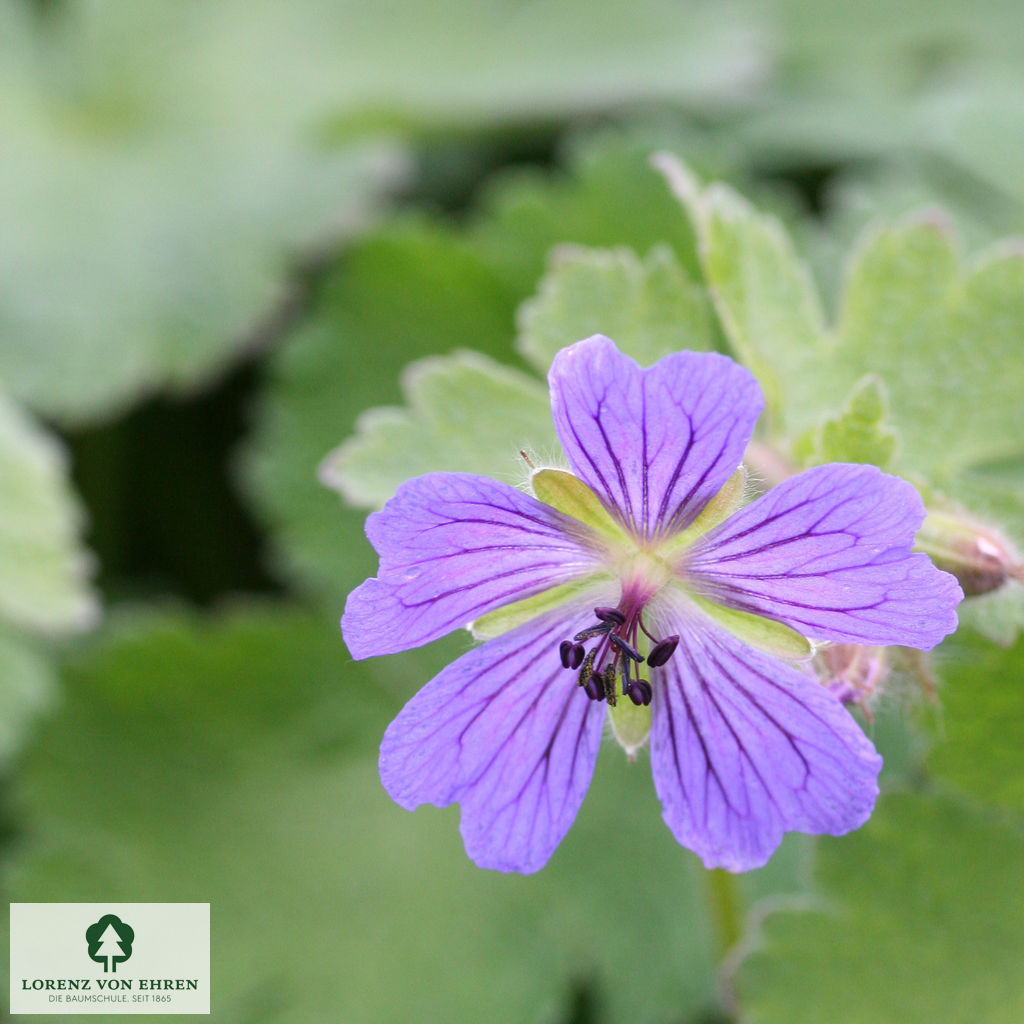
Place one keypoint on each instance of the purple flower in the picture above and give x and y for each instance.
(630, 592)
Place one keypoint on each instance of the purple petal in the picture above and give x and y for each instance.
(655, 445)
(828, 552)
(745, 748)
(452, 548)
(506, 732)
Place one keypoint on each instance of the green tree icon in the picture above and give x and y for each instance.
(110, 941)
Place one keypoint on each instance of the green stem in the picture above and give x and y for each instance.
(724, 897)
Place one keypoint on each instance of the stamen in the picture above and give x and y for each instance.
(592, 631)
(626, 648)
(626, 678)
(588, 667)
(614, 655)
(640, 692)
(662, 651)
(640, 623)
(609, 684)
(564, 651)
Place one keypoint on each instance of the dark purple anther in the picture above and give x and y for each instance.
(565, 652)
(588, 667)
(609, 684)
(576, 655)
(662, 651)
(592, 631)
(594, 687)
(612, 615)
(625, 648)
(640, 692)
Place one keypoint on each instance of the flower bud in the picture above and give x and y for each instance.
(974, 553)
(851, 671)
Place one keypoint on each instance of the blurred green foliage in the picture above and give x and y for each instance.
(887, 909)
(251, 249)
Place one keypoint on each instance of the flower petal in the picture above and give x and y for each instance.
(745, 748)
(453, 547)
(509, 734)
(828, 552)
(655, 445)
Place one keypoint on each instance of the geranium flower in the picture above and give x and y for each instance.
(636, 588)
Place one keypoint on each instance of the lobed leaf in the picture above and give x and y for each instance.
(152, 202)
(215, 759)
(858, 434)
(912, 925)
(979, 751)
(27, 689)
(463, 413)
(414, 289)
(649, 307)
(44, 572)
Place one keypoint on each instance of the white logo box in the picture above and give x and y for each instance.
(159, 963)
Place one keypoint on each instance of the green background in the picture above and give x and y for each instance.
(260, 262)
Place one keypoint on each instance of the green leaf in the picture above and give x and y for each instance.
(463, 413)
(189, 177)
(915, 923)
(945, 343)
(864, 196)
(942, 342)
(858, 434)
(763, 294)
(999, 615)
(27, 688)
(481, 63)
(235, 761)
(152, 201)
(962, 131)
(982, 721)
(409, 291)
(609, 197)
(43, 569)
(942, 82)
(414, 290)
(649, 307)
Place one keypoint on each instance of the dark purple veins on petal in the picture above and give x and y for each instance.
(745, 748)
(829, 552)
(502, 732)
(654, 444)
(452, 548)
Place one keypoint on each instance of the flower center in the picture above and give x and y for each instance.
(612, 664)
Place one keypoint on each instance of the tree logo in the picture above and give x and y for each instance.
(110, 941)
